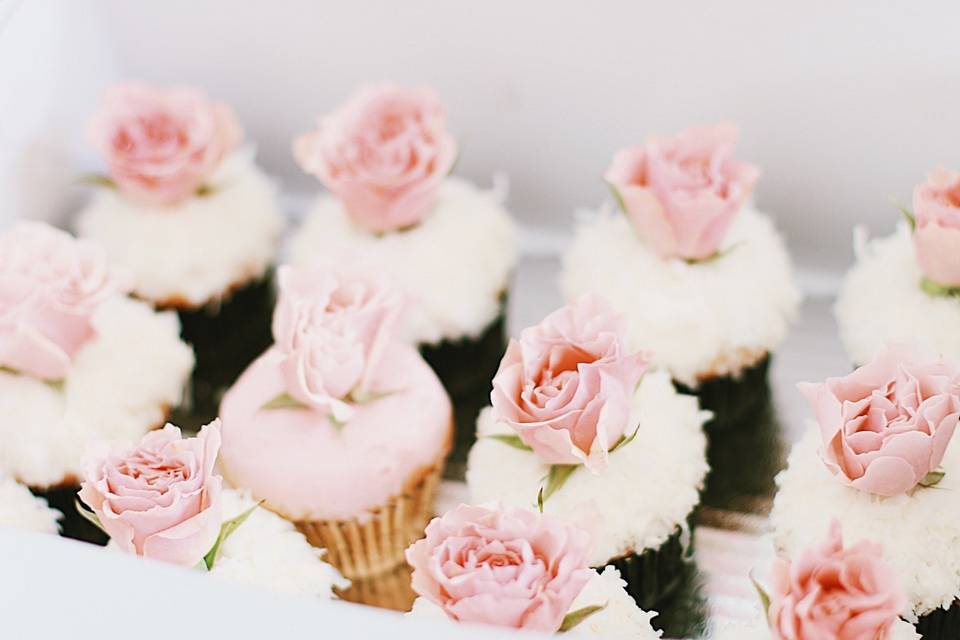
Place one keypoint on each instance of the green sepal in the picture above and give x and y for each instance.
(939, 290)
(56, 385)
(226, 529)
(574, 618)
(933, 478)
(908, 216)
(511, 440)
(625, 440)
(97, 180)
(284, 401)
(617, 197)
(764, 596)
(540, 500)
(87, 515)
(713, 257)
(205, 191)
(556, 478)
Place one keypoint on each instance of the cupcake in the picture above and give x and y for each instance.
(162, 499)
(339, 427)
(702, 277)
(577, 425)
(384, 157)
(828, 592)
(515, 568)
(187, 211)
(880, 459)
(79, 361)
(915, 273)
(20, 509)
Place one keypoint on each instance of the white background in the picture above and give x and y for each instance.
(845, 105)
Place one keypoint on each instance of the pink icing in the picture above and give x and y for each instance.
(308, 469)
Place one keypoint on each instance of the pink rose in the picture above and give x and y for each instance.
(936, 205)
(161, 498)
(681, 194)
(50, 286)
(384, 154)
(887, 425)
(507, 567)
(832, 593)
(330, 331)
(162, 144)
(567, 384)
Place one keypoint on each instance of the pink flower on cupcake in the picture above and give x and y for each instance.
(936, 239)
(832, 593)
(384, 153)
(330, 330)
(682, 193)
(566, 386)
(50, 286)
(161, 498)
(162, 144)
(887, 425)
(506, 567)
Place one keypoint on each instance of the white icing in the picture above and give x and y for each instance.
(621, 618)
(703, 320)
(197, 251)
(757, 629)
(454, 266)
(919, 531)
(649, 488)
(120, 385)
(267, 551)
(881, 302)
(20, 509)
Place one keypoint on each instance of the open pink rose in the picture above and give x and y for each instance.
(887, 425)
(50, 286)
(162, 144)
(330, 331)
(507, 567)
(384, 154)
(936, 206)
(681, 194)
(567, 384)
(832, 593)
(161, 498)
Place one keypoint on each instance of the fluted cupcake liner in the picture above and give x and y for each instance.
(941, 624)
(654, 575)
(363, 549)
(466, 368)
(73, 525)
(734, 400)
(391, 590)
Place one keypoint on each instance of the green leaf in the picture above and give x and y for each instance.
(226, 529)
(617, 197)
(574, 618)
(205, 191)
(512, 440)
(357, 397)
(97, 180)
(908, 216)
(933, 478)
(284, 401)
(625, 440)
(540, 500)
(940, 290)
(56, 385)
(714, 257)
(556, 478)
(88, 515)
(764, 597)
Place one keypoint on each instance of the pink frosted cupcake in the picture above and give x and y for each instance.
(338, 426)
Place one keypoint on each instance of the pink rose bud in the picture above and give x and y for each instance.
(384, 153)
(566, 386)
(887, 425)
(330, 331)
(506, 567)
(832, 593)
(50, 286)
(160, 499)
(681, 194)
(936, 207)
(160, 144)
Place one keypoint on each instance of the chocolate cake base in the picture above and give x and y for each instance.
(72, 525)
(466, 368)
(225, 339)
(734, 400)
(942, 624)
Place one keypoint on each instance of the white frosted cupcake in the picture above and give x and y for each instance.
(880, 460)
(20, 509)
(576, 423)
(79, 361)
(161, 499)
(193, 219)
(515, 568)
(702, 277)
(904, 287)
(385, 156)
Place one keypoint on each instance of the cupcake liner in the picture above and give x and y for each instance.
(362, 549)
(941, 624)
(391, 590)
(654, 575)
(734, 400)
(225, 339)
(72, 525)
(466, 368)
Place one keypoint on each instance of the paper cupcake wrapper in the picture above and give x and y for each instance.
(734, 400)
(390, 590)
(72, 525)
(466, 368)
(941, 624)
(654, 575)
(225, 339)
(376, 546)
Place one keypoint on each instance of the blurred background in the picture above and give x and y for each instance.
(845, 105)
